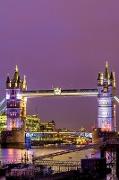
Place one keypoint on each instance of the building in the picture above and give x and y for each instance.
(3, 119)
(47, 126)
(33, 124)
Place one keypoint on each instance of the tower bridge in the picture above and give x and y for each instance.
(17, 94)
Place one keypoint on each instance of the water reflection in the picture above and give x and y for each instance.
(10, 155)
(16, 154)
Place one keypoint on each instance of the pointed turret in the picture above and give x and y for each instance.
(16, 74)
(16, 68)
(15, 77)
(114, 80)
(19, 82)
(100, 78)
(24, 84)
(111, 76)
(8, 82)
(8, 79)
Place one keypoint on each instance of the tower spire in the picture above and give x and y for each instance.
(24, 85)
(114, 80)
(24, 79)
(16, 68)
(107, 74)
(107, 65)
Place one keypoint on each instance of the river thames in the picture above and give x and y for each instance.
(15, 155)
(12, 155)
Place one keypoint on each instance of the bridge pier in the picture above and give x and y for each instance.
(13, 138)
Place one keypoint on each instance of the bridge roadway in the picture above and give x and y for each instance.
(65, 152)
(60, 92)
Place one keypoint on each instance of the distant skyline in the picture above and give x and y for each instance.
(62, 43)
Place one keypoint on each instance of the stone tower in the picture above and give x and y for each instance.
(106, 108)
(16, 109)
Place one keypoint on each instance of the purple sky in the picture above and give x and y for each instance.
(62, 43)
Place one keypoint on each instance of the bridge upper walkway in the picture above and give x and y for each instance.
(60, 92)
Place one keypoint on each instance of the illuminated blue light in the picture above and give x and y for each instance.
(7, 96)
(19, 96)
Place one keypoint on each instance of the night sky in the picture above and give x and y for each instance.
(61, 43)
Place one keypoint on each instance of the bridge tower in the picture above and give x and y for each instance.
(106, 108)
(16, 104)
(16, 109)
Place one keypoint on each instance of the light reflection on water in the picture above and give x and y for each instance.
(16, 154)
(12, 155)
